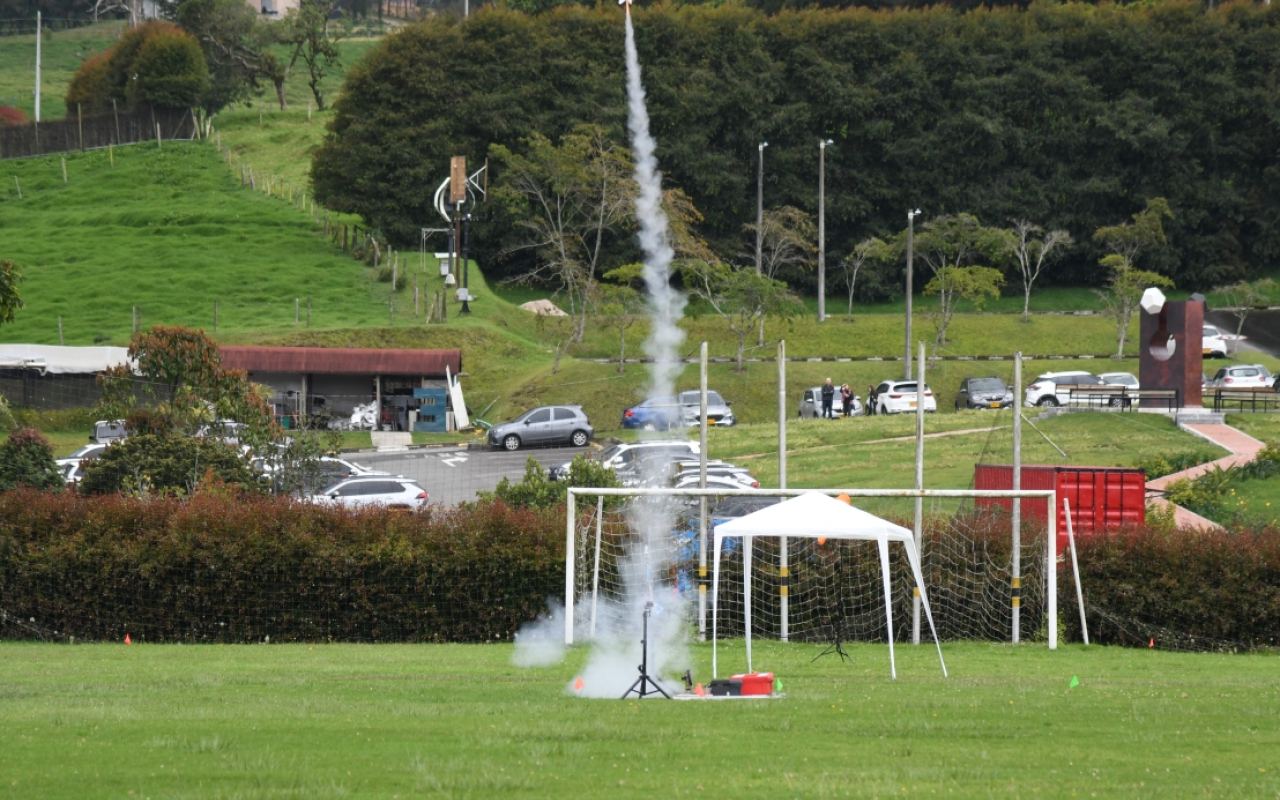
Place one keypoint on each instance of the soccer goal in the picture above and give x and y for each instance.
(986, 575)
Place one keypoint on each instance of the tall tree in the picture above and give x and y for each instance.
(868, 250)
(621, 305)
(741, 297)
(569, 200)
(314, 28)
(239, 47)
(954, 242)
(974, 284)
(1033, 252)
(1125, 243)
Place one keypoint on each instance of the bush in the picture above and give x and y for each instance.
(90, 87)
(212, 570)
(1160, 466)
(172, 464)
(535, 490)
(1185, 589)
(26, 459)
(170, 71)
(13, 116)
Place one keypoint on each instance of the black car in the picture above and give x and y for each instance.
(983, 393)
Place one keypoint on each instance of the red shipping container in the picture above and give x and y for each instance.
(756, 683)
(1101, 498)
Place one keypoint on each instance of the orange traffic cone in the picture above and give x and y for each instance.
(127, 640)
(699, 691)
(579, 684)
(1152, 643)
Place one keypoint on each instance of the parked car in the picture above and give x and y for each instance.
(327, 471)
(654, 414)
(895, 397)
(224, 430)
(389, 491)
(545, 425)
(718, 411)
(1215, 346)
(1241, 376)
(983, 393)
(729, 480)
(1054, 388)
(811, 404)
(106, 431)
(1126, 379)
(72, 467)
(623, 455)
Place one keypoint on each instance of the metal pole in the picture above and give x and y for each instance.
(784, 573)
(571, 512)
(822, 229)
(39, 26)
(760, 210)
(702, 501)
(1051, 579)
(595, 571)
(1016, 580)
(1075, 570)
(466, 264)
(911, 243)
(919, 531)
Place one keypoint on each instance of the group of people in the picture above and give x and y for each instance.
(829, 391)
(829, 395)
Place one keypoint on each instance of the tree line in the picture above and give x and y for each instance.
(1072, 116)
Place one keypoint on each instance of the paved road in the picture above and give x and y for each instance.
(1262, 328)
(451, 476)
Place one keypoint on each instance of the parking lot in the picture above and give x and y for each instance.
(453, 475)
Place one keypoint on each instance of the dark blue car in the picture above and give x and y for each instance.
(654, 414)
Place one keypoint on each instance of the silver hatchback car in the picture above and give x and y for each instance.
(545, 425)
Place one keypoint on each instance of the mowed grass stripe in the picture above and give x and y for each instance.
(458, 720)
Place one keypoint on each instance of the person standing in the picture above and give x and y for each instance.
(828, 395)
(871, 400)
(846, 399)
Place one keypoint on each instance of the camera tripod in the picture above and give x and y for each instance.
(644, 685)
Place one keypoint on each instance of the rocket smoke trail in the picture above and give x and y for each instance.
(645, 571)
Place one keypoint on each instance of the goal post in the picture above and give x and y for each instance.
(583, 553)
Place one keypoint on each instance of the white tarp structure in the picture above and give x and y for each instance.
(816, 516)
(56, 360)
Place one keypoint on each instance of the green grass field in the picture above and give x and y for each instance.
(400, 721)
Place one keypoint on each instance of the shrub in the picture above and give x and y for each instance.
(1185, 589)
(535, 490)
(13, 116)
(90, 87)
(1159, 466)
(210, 569)
(26, 459)
(170, 71)
(149, 463)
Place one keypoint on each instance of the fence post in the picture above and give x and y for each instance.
(80, 125)
(135, 319)
(159, 144)
(60, 330)
(64, 171)
(116, 113)
(308, 311)
(296, 304)
(19, 185)
(111, 153)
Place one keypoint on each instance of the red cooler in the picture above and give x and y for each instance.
(756, 683)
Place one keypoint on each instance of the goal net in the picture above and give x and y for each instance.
(805, 589)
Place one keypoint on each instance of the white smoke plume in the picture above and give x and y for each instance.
(612, 665)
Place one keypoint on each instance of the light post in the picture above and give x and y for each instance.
(911, 243)
(822, 228)
(760, 210)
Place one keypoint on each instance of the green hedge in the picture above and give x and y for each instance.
(1178, 589)
(209, 569)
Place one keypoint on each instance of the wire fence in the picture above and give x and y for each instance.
(97, 131)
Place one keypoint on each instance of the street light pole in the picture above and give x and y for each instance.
(911, 243)
(760, 210)
(822, 229)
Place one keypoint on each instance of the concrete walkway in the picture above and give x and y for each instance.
(1243, 449)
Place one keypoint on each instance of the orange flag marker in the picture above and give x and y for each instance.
(579, 684)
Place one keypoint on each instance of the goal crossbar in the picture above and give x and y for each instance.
(1051, 549)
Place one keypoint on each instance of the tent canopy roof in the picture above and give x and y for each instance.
(814, 515)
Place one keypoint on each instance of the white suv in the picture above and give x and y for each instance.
(1054, 388)
(385, 491)
(1242, 376)
(1215, 346)
(895, 397)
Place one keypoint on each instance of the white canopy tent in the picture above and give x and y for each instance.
(816, 516)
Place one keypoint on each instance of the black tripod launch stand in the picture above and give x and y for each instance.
(644, 685)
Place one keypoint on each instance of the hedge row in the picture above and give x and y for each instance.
(1178, 589)
(211, 569)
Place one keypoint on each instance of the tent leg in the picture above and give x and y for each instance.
(888, 602)
(715, 605)
(746, 592)
(914, 558)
